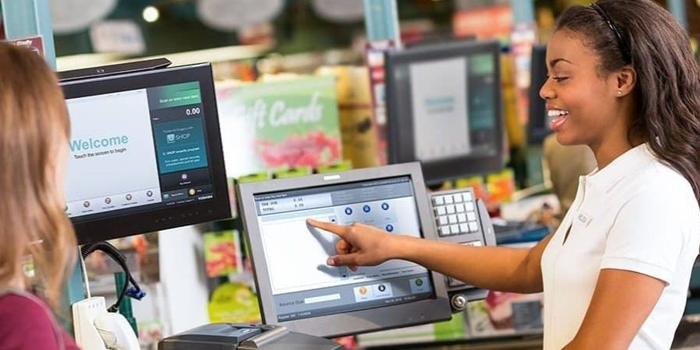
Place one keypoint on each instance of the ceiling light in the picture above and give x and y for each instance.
(151, 14)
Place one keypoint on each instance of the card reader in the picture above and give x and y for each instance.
(244, 336)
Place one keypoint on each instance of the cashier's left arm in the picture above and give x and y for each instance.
(621, 302)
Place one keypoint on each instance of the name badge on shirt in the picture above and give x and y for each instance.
(584, 218)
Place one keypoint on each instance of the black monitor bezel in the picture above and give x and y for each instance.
(127, 224)
(351, 322)
(113, 69)
(400, 139)
(537, 127)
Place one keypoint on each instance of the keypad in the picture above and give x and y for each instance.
(455, 212)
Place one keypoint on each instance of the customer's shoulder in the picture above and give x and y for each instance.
(26, 322)
(21, 298)
(18, 307)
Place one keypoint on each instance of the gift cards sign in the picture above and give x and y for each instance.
(279, 124)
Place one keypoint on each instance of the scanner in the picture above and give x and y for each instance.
(244, 336)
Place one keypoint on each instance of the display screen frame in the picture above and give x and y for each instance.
(423, 311)
(129, 222)
(538, 122)
(400, 123)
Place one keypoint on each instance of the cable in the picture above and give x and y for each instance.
(136, 292)
(117, 256)
(86, 281)
(114, 253)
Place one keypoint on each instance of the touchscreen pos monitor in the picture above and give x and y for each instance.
(295, 286)
(145, 152)
(444, 108)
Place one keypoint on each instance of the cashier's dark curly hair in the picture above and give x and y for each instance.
(667, 91)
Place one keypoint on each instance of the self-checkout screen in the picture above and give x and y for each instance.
(136, 149)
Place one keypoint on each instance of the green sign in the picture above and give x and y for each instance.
(279, 125)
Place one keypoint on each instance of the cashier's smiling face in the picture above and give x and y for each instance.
(578, 96)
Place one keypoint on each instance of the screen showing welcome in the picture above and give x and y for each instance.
(136, 150)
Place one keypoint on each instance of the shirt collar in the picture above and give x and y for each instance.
(626, 164)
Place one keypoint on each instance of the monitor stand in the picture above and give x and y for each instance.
(245, 336)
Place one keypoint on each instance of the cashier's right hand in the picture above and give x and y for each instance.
(359, 244)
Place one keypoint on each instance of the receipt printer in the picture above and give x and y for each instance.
(244, 336)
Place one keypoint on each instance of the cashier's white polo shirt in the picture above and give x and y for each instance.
(636, 214)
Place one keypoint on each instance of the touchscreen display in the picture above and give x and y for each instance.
(452, 103)
(303, 286)
(137, 150)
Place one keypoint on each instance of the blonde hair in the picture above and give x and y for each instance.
(34, 128)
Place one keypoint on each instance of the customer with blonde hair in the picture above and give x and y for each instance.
(34, 133)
